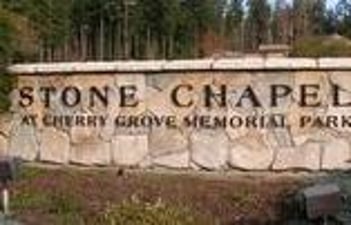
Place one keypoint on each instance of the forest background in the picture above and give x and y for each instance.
(103, 30)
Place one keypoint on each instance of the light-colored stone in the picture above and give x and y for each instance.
(249, 63)
(5, 124)
(307, 156)
(279, 138)
(106, 132)
(139, 81)
(173, 160)
(251, 153)
(91, 153)
(342, 79)
(3, 145)
(140, 66)
(338, 112)
(261, 85)
(85, 83)
(24, 143)
(334, 63)
(157, 103)
(290, 63)
(167, 141)
(130, 150)
(209, 149)
(336, 154)
(160, 83)
(83, 134)
(87, 67)
(246, 63)
(249, 149)
(197, 64)
(54, 146)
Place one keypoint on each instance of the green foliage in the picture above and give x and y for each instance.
(136, 212)
(344, 12)
(64, 207)
(257, 22)
(317, 16)
(30, 173)
(233, 21)
(9, 46)
(322, 47)
(68, 30)
(6, 32)
(7, 82)
(29, 200)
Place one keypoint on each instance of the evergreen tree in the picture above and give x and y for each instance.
(344, 13)
(301, 22)
(257, 24)
(234, 22)
(15, 42)
(281, 25)
(318, 17)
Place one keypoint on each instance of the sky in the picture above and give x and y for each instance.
(332, 3)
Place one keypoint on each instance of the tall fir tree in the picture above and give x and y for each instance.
(344, 13)
(318, 16)
(257, 23)
(234, 24)
(281, 25)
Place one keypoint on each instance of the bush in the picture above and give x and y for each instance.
(140, 213)
(8, 46)
(7, 83)
(322, 47)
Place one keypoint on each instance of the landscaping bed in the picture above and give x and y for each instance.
(115, 197)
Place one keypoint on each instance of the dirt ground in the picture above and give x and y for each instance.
(74, 196)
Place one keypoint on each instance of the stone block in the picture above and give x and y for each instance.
(5, 124)
(160, 82)
(336, 154)
(251, 153)
(334, 63)
(342, 79)
(88, 67)
(23, 142)
(306, 156)
(130, 150)
(196, 64)
(3, 145)
(139, 81)
(166, 141)
(179, 160)
(276, 63)
(54, 146)
(209, 149)
(83, 134)
(140, 66)
(91, 153)
(250, 63)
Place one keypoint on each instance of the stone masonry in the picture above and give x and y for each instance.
(312, 147)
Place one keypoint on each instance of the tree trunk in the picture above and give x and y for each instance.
(102, 39)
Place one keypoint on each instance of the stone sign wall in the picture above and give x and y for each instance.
(248, 114)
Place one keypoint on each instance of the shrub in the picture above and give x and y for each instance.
(322, 47)
(7, 49)
(7, 83)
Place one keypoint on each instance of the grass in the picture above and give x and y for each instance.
(105, 197)
(67, 210)
(64, 208)
(144, 213)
